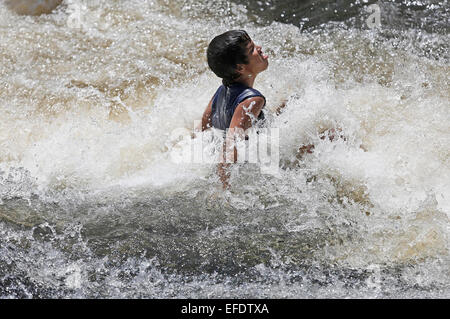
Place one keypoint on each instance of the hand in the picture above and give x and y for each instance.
(196, 130)
(281, 107)
(331, 133)
(305, 149)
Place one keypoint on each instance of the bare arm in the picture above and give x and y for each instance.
(280, 108)
(330, 134)
(241, 121)
(206, 118)
(206, 121)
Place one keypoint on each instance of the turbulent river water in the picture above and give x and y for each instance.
(92, 204)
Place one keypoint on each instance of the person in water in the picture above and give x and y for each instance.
(235, 58)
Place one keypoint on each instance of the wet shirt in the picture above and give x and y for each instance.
(225, 101)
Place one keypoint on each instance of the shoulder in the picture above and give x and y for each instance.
(258, 101)
(252, 104)
(250, 93)
(245, 111)
(255, 91)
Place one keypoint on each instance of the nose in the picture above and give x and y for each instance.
(259, 49)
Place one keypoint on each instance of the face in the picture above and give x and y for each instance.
(257, 61)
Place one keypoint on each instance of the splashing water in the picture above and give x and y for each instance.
(91, 204)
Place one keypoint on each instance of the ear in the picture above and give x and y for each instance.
(240, 68)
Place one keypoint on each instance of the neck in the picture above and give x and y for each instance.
(246, 80)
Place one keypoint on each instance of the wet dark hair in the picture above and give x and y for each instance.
(225, 52)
